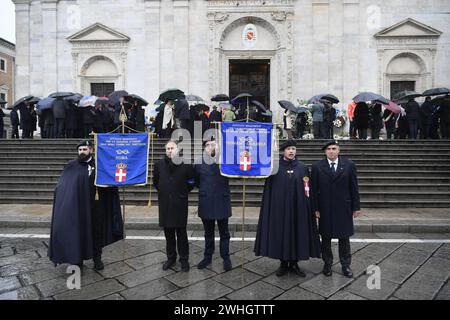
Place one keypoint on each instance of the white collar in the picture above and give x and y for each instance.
(336, 162)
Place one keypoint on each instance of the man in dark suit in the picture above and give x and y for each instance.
(412, 115)
(336, 203)
(214, 203)
(14, 117)
(172, 180)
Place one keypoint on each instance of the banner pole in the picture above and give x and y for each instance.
(243, 221)
(123, 119)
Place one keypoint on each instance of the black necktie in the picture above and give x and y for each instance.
(333, 169)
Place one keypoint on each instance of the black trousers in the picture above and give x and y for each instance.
(224, 233)
(98, 231)
(345, 256)
(15, 132)
(181, 242)
(352, 130)
(362, 134)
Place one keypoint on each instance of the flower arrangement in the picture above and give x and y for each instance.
(341, 119)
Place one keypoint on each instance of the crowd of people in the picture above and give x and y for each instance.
(66, 119)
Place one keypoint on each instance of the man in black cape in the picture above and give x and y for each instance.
(287, 229)
(336, 203)
(85, 218)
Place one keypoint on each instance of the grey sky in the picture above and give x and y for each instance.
(7, 21)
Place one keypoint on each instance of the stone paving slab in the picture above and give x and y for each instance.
(408, 271)
(205, 290)
(259, 290)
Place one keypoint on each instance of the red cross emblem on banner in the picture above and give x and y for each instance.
(245, 161)
(121, 172)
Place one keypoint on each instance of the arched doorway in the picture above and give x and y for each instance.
(99, 76)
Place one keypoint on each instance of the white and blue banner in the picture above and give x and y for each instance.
(121, 159)
(247, 149)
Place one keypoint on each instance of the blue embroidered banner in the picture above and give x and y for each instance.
(121, 159)
(246, 149)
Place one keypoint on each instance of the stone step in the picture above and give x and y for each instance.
(256, 202)
(236, 188)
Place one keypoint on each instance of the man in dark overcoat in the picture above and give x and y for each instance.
(214, 204)
(174, 180)
(336, 203)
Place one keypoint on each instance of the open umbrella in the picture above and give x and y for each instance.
(171, 94)
(34, 100)
(259, 105)
(45, 103)
(76, 97)
(220, 97)
(393, 107)
(114, 97)
(87, 101)
(61, 95)
(370, 96)
(406, 95)
(288, 105)
(132, 98)
(436, 92)
(22, 100)
(200, 107)
(243, 97)
(325, 96)
(193, 98)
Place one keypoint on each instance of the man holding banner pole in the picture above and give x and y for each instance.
(85, 218)
(214, 204)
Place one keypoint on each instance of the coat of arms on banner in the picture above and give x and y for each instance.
(121, 172)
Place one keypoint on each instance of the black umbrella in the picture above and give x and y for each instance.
(61, 95)
(74, 98)
(200, 107)
(34, 100)
(135, 98)
(220, 97)
(326, 96)
(436, 92)
(171, 94)
(22, 100)
(114, 97)
(259, 105)
(3, 101)
(243, 97)
(406, 95)
(288, 106)
(370, 96)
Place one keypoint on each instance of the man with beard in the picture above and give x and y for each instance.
(174, 181)
(287, 229)
(85, 218)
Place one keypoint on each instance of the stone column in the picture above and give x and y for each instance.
(49, 52)
(181, 43)
(351, 48)
(320, 13)
(152, 46)
(22, 48)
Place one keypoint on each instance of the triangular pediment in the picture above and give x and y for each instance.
(98, 32)
(408, 28)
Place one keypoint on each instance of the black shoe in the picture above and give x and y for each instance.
(204, 263)
(347, 272)
(98, 264)
(168, 264)
(282, 270)
(327, 270)
(296, 269)
(227, 266)
(184, 266)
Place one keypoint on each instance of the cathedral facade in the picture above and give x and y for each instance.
(273, 49)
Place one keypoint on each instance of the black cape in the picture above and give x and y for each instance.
(287, 229)
(79, 222)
